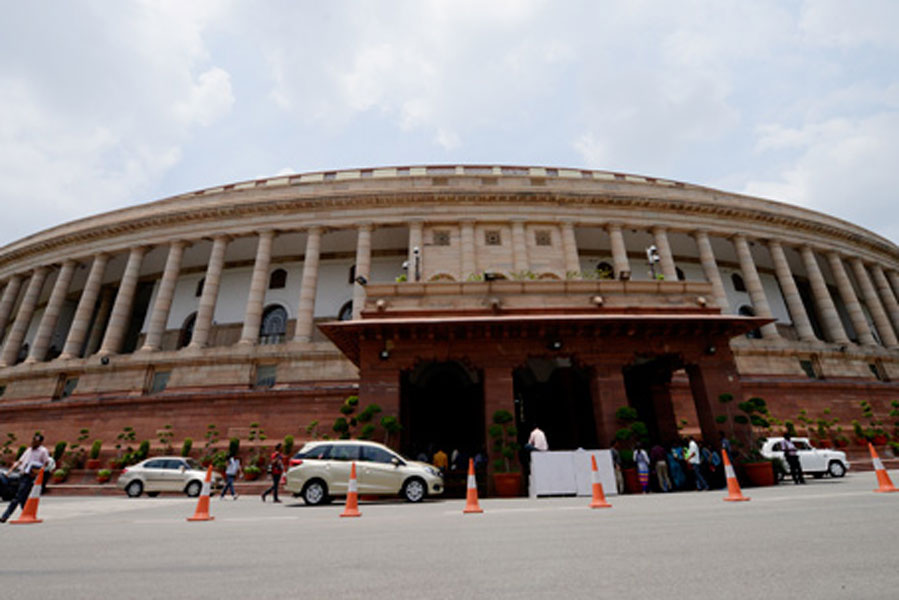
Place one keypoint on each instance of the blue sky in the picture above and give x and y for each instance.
(106, 104)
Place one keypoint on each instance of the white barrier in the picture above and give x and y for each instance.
(569, 472)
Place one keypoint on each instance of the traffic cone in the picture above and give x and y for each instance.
(733, 486)
(471, 495)
(883, 480)
(352, 496)
(202, 513)
(599, 497)
(29, 511)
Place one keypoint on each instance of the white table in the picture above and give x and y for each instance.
(568, 472)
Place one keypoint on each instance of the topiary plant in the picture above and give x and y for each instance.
(505, 441)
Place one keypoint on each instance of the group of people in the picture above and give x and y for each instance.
(687, 464)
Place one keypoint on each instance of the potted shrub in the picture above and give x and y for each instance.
(104, 475)
(60, 475)
(93, 462)
(506, 477)
(251, 472)
(758, 469)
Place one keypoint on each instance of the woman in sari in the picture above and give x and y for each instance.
(641, 459)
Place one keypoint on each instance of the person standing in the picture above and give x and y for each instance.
(441, 461)
(232, 470)
(641, 459)
(791, 453)
(30, 463)
(537, 440)
(276, 467)
(694, 461)
(616, 463)
(658, 456)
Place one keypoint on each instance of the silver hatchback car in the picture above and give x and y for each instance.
(321, 470)
(165, 474)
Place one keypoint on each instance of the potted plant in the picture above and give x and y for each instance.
(251, 472)
(93, 462)
(758, 469)
(506, 477)
(104, 475)
(60, 474)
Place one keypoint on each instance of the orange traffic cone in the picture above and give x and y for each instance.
(29, 511)
(471, 495)
(883, 480)
(352, 496)
(599, 497)
(733, 486)
(202, 513)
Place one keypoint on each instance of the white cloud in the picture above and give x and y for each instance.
(209, 99)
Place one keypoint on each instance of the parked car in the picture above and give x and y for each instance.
(165, 474)
(817, 462)
(321, 470)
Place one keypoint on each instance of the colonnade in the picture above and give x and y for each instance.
(877, 287)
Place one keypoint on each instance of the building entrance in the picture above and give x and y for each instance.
(648, 384)
(554, 394)
(441, 407)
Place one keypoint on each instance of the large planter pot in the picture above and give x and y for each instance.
(759, 473)
(631, 482)
(507, 485)
(824, 443)
(92, 464)
(250, 475)
(880, 440)
(103, 478)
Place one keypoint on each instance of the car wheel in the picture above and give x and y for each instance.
(193, 489)
(152, 494)
(414, 490)
(836, 468)
(315, 492)
(134, 489)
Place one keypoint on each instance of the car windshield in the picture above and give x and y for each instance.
(191, 463)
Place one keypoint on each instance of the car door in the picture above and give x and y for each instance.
(175, 470)
(337, 467)
(378, 474)
(154, 475)
(809, 458)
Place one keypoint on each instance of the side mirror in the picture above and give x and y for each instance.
(183, 468)
(396, 462)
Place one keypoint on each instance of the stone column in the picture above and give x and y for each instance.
(160, 315)
(363, 266)
(823, 302)
(23, 318)
(86, 304)
(51, 315)
(754, 286)
(881, 321)
(791, 293)
(893, 276)
(107, 296)
(306, 308)
(847, 293)
(121, 310)
(608, 394)
(499, 394)
(666, 260)
(209, 297)
(619, 250)
(466, 232)
(252, 319)
(519, 247)
(711, 377)
(886, 294)
(415, 241)
(10, 294)
(710, 268)
(569, 249)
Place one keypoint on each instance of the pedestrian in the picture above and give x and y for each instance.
(30, 463)
(537, 440)
(693, 459)
(641, 459)
(791, 453)
(440, 460)
(616, 463)
(276, 468)
(232, 470)
(658, 457)
(675, 467)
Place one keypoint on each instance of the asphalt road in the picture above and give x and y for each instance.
(828, 539)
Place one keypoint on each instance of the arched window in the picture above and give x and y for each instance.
(605, 271)
(748, 311)
(187, 329)
(274, 325)
(200, 284)
(737, 280)
(277, 280)
(346, 312)
(680, 274)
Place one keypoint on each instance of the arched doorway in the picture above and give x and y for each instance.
(554, 394)
(441, 407)
(648, 384)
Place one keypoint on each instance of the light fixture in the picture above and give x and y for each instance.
(104, 360)
(384, 354)
(490, 276)
(711, 349)
(554, 344)
(701, 301)
(361, 280)
(624, 275)
(598, 300)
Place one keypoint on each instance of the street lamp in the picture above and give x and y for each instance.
(416, 258)
(652, 257)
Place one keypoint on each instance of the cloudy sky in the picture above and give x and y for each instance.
(105, 104)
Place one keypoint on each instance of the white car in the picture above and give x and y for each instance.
(814, 461)
(166, 474)
(322, 469)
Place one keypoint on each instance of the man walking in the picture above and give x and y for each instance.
(232, 470)
(694, 461)
(791, 453)
(31, 462)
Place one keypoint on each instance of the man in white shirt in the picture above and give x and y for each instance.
(537, 441)
(32, 460)
(694, 462)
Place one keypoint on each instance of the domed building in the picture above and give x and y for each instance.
(443, 294)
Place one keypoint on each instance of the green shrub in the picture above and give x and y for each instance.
(186, 446)
(143, 451)
(59, 450)
(288, 445)
(234, 446)
(95, 449)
